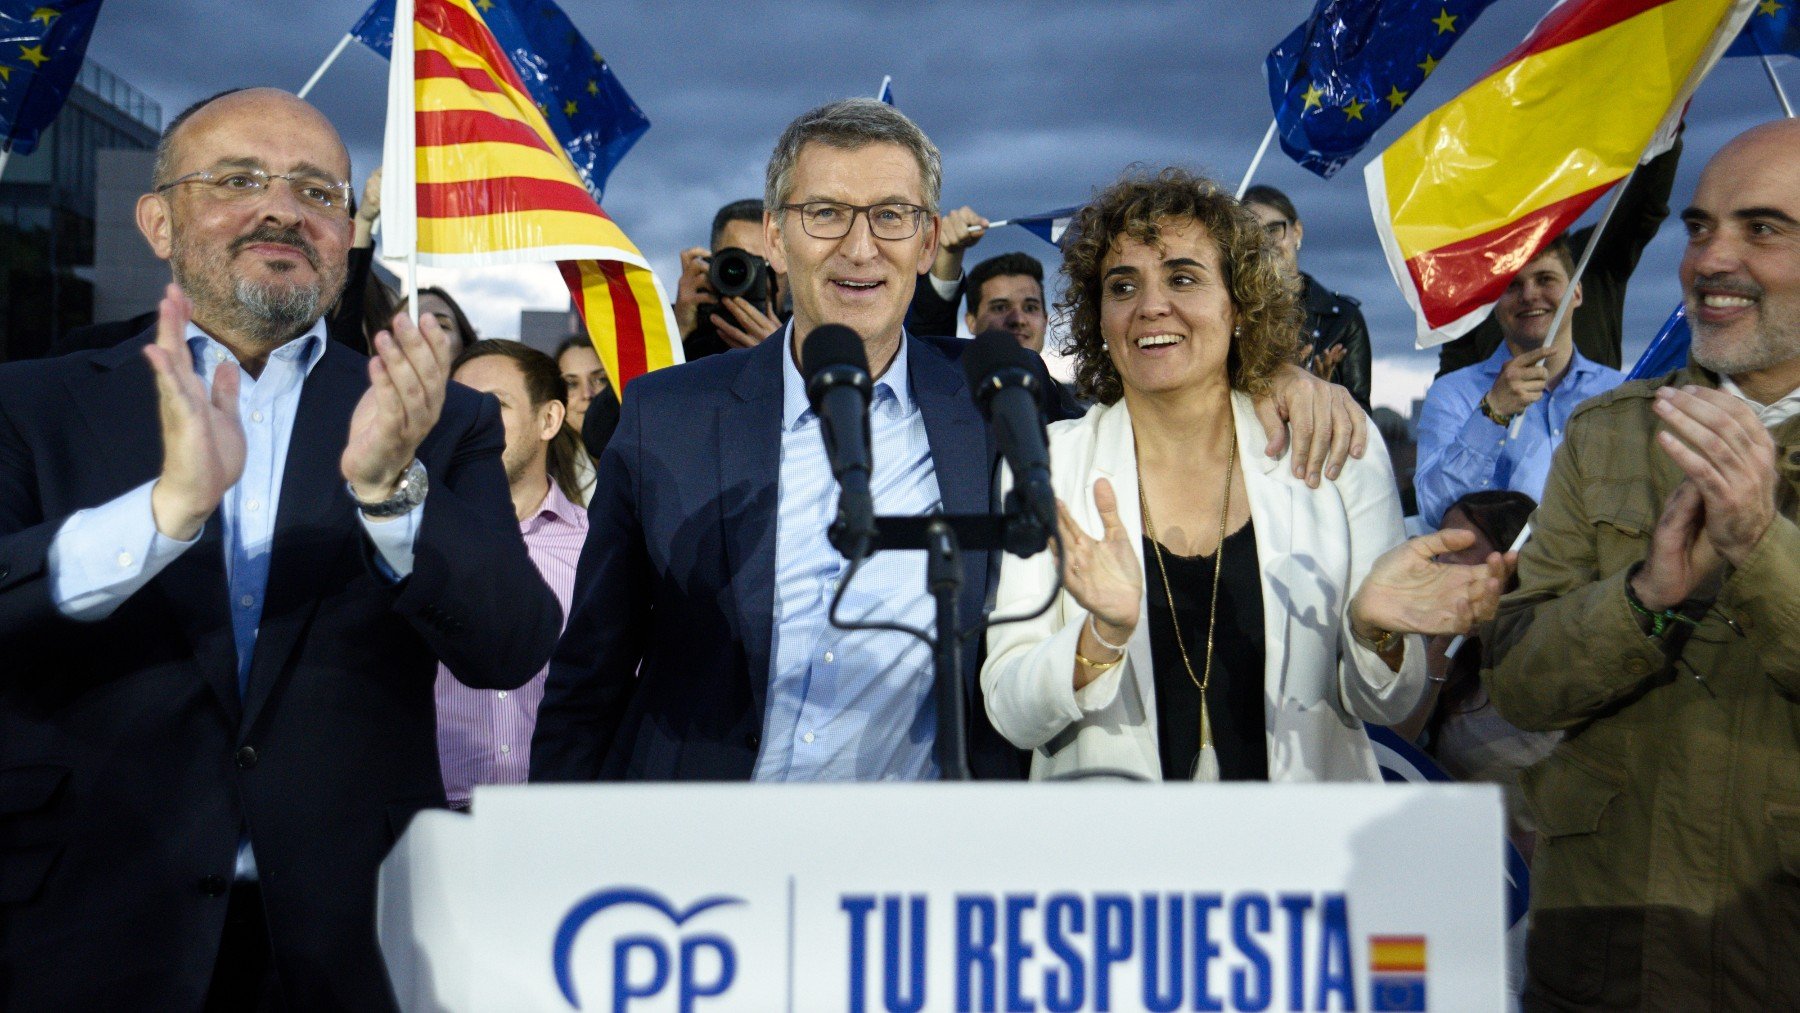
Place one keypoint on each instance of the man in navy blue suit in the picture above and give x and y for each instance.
(698, 645)
(223, 597)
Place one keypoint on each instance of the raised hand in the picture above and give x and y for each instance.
(407, 375)
(753, 325)
(1325, 363)
(1102, 573)
(1521, 382)
(1681, 557)
(691, 288)
(961, 229)
(202, 437)
(1409, 591)
(1729, 457)
(1328, 425)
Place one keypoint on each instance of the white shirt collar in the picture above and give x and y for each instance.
(1770, 415)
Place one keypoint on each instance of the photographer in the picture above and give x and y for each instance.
(729, 299)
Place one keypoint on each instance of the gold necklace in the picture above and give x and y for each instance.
(1205, 760)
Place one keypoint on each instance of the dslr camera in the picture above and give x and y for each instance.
(730, 272)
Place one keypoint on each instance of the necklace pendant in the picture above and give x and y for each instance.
(1206, 765)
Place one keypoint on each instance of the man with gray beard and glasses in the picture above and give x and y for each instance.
(223, 601)
(1657, 623)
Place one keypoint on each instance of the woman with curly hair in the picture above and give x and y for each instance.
(1206, 626)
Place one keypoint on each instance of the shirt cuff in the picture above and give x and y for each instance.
(394, 539)
(105, 554)
(1482, 436)
(946, 290)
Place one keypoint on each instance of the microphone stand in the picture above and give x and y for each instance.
(943, 537)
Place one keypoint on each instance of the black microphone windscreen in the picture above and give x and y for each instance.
(831, 345)
(992, 351)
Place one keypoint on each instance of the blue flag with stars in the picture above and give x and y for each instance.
(1772, 31)
(42, 43)
(580, 97)
(1340, 75)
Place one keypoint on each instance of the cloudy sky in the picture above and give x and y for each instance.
(1033, 104)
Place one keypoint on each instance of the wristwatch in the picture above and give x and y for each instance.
(1384, 644)
(407, 495)
(1493, 416)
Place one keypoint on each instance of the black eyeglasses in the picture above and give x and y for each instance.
(1275, 230)
(824, 219)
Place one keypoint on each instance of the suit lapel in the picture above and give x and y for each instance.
(1272, 514)
(193, 584)
(314, 523)
(749, 458)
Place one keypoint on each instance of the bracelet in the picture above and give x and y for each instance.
(1095, 630)
(1660, 622)
(1098, 666)
(1493, 416)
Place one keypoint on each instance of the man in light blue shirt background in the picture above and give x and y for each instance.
(1466, 441)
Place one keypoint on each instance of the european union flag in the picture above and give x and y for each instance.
(42, 43)
(1339, 76)
(583, 101)
(1772, 31)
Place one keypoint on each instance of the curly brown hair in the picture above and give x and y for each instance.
(1137, 207)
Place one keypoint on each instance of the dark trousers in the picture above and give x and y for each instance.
(244, 977)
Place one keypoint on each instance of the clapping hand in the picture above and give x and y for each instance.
(1324, 364)
(407, 375)
(202, 437)
(1409, 591)
(1102, 573)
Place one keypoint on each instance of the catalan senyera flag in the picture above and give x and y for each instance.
(474, 176)
(1473, 191)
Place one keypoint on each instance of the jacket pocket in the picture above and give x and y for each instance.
(1568, 794)
(1624, 514)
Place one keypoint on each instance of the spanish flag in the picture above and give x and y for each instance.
(475, 176)
(1473, 191)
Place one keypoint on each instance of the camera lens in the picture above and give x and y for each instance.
(736, 272)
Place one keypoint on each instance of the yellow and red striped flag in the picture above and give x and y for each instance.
(1473, 191)
(475, 176)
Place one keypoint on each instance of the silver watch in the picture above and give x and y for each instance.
(408, 495)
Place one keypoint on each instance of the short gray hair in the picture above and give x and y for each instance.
(850, 124)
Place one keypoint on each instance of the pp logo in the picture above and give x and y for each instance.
(644, 965)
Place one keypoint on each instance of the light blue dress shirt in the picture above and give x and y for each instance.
(846, 706)
(1462, 451)
(104, 554)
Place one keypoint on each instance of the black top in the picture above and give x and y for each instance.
(1235, 694)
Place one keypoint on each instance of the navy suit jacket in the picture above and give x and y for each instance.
(129, 764)
(663, 670)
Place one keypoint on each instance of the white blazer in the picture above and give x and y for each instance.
(1313, 546)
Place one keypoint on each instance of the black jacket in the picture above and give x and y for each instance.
(131, 765)
(1333, 318)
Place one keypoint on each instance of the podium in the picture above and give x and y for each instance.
(972, 896)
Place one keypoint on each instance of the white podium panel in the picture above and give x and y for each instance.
(1093, 896)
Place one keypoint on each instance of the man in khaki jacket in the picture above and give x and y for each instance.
(1657, 622)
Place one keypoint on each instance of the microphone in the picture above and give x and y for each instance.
(1010, 391)
(836, 369)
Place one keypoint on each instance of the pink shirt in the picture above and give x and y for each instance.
(484, 735)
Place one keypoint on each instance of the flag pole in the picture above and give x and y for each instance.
(5, 153)
(1787, 108)
(323, 67)
(1463, 638)
(1261, 150)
